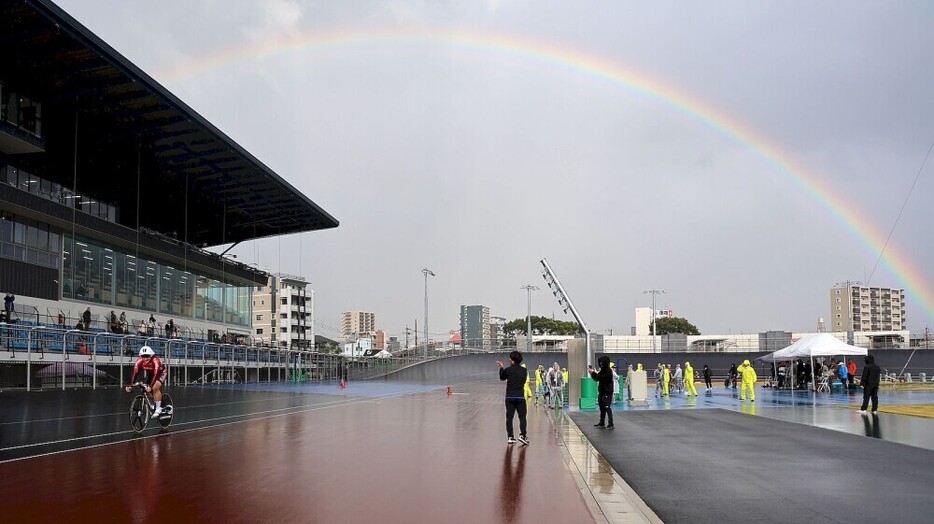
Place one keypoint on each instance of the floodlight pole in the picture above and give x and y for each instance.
(426, 272)
(570, 305)
(530, 288)
(654, 292)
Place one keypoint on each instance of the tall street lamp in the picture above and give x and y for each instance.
(530, 288)
(426, 272)
(654, 292)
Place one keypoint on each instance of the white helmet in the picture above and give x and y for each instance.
(146, 351)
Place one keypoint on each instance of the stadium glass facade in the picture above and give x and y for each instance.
(101, 274)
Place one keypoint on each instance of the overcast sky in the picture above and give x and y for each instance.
(434, 149)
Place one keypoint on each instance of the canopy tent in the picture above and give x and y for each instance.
(814, 345)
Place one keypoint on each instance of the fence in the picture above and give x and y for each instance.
(42, 357)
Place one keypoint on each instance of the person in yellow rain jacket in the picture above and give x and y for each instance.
(526, 388)
(539, 383)
(749, 378)
(666, 379)
(689, 379)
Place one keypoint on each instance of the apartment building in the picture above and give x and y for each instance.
(475, 327)
(283, 312)
(357, 324)
(863, 308)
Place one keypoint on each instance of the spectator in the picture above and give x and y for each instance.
(515, 377)
(124, 326)
(114, 326)
(86, 318)
(851, 373)
(707, 377)
(8, 305)
(870, 384)
(689, 379)
(556, 383)
(749, 379)
(679, 379)
(842, 374)
(604, 378)
(169, 328)
(628, 381)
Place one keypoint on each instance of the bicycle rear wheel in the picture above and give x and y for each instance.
(139, 414)
(168, 411)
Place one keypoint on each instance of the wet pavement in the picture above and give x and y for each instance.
(402, 450)
(823, 410)
(374, 452)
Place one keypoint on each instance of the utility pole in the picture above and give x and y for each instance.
(528, 335)
(654, 293)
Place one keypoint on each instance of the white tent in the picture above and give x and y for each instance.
(814, 345)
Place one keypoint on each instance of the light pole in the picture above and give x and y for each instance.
(528, 335)
(426, 272)
(654, 292)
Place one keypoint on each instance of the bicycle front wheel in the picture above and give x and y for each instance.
(139, 414)
(168, 411)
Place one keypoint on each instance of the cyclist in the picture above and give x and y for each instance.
(152, 366)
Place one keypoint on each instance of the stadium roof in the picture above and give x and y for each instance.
(135, 137)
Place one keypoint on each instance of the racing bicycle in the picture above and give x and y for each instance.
(144, 405)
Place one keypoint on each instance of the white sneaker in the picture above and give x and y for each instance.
(862, 412)
(157, 412)
(510, 440)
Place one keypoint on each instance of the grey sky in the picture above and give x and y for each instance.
(477, 164)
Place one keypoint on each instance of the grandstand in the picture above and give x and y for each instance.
(111, 189)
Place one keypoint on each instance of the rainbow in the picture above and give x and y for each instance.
(603, 71)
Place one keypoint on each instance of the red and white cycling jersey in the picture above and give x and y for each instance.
(154, 369)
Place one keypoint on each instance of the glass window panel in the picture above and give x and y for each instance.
(107, 276)
(11, 174)
(6, 228)
(68, 284)
(45, 188)
(42, 237)
(32, 256)
(32, 236)
(19, 233)
(201, 297)
(53, 261)
(56, 195)
(33, 184)
(6, 250)
(54, 242)
(43, 259)
(19, 252)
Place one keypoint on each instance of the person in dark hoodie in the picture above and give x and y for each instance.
(604, 378)
(870, 383)
(515, 377)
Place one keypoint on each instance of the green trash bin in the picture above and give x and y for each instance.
(588, 393)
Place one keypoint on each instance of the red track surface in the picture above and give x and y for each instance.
(419, 458)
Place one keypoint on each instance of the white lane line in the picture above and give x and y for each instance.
(123, 413)
(313, 408)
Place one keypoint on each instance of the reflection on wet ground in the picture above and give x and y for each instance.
(822, 410)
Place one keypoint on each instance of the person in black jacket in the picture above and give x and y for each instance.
(604, 377)
(870, 383)
(515, 377)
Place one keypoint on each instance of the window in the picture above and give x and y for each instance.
(285, 301)
(259, 318)
(259, 331)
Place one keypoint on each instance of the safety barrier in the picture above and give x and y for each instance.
(42, 357)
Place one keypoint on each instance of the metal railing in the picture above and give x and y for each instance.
(42, 357)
